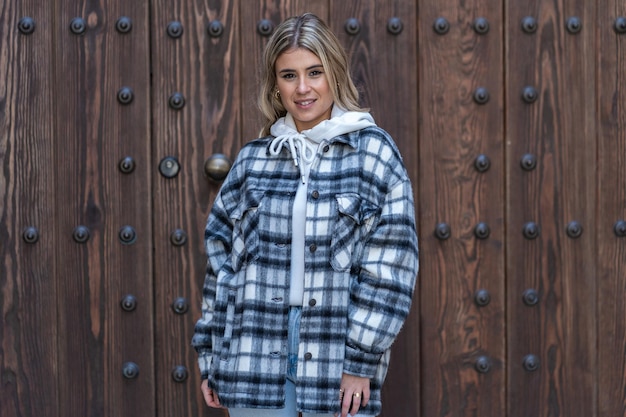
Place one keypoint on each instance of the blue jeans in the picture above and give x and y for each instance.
(290, 386)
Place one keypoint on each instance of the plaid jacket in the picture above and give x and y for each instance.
(361, 263)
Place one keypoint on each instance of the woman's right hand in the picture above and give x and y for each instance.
(210, 396)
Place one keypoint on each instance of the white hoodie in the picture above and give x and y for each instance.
(304, 148)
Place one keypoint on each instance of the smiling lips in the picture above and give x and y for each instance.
(304, 103)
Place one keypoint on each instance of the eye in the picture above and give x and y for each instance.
(315, 73)
(288, 76)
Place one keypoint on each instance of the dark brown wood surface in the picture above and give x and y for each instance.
(559, 128)
(611, 208)
(93, 133)
(454, 130)
(28, 293)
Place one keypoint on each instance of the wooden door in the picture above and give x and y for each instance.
(117, 118)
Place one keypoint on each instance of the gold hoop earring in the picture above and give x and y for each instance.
(276, 94)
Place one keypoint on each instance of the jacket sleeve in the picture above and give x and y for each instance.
(381, 292)
(218, 245)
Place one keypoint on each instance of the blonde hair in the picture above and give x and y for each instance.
(310, 32)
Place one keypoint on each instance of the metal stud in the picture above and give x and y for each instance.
(482, 163)
(265, 27)
(482, 298)
(127, 235)
(175, 29)
(215, 29)
(395, 26)
(481, 95)
(217, 166)
(530, 297)
(178, 237)
(531, 363)
(441, 26)
(177, 101)
(481, 25)
(30, 235)
(620, 228)
(130, 370)
(78, 26)
(574, 25)
(528, 162)
(620, 25)
(529, 24)
(180, 374)
(352, 26)
(574, 229)
(124, 24)
(127, 165)
(180, 305)
(81, 234)
(482, 231)
(531, 231)
(443, 231)
(26, 25)
(129, 303)
(169, 167)
(125, 95)
(530, 94)
(483, 364)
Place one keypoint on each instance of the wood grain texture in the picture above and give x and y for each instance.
(559, 128)
(28, 294)
(93, 133)
(453, 131)
(206, 70)
(384, 68)
(611, 207)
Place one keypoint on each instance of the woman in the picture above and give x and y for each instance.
(311, 244)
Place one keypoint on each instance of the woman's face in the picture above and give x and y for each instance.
(304, 89)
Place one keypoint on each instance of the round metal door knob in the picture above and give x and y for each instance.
(129, 303)
(217, 167)
(481, 25)
(169, 167)
(178, 237)
(574, 25)
(531, 230)
(215, 29)
(441, 26)
(176, 101)
(180, 374)
(481, 95)
(620, 228)
(528, 162)
(574, 229)
(128, 236)
(482, 231)
(530, 94)
(620, 25)
(483, 364)
(130, 370)
(175, 30)
(125, 95)
(78, 26)
(531, 363)
(482, 163)
(26, 25)
(30, 235)
(124, 25)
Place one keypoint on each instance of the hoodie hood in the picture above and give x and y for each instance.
(303, 145)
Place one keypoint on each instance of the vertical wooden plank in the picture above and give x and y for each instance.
(559, 130)
(384, 67)
(203, 65)
(28, 296)
(94, 132)
(463, 349)
(611, 203)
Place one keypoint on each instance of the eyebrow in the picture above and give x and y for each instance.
(308, 69)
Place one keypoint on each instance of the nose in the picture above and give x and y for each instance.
(303, 86)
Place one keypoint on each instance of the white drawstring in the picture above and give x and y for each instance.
(298, 147)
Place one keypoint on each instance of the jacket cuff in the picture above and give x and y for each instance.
(204, 362)
(359, 363)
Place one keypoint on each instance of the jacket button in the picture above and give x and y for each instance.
(315, 194)
(313, 247)
(326, 148)
(308, 356)
(312, 302)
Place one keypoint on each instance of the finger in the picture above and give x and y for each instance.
(356, 403)
(216, 400)
(345, 404)
(365, 398)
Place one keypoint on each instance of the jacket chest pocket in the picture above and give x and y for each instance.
(354, 219)
(245, 239)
